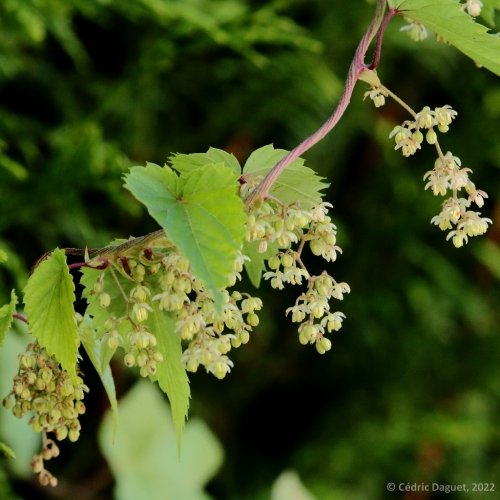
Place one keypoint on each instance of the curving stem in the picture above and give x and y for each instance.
(261, 192)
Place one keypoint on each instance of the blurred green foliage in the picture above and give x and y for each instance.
(411, 389)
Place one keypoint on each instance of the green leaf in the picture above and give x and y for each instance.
(6, 451)
(295, 184)
(6, 313)
(257, 265)
(186, 163)
(171, 374)
(144, 457)
(201, 213)
(93, 349)
(48, 299)
(3, 257)
(447, 19)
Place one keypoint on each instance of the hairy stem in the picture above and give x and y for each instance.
(357, 66)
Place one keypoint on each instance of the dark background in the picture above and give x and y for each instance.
(410, 391)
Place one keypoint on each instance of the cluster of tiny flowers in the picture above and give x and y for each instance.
(409, 137)
(210, 335)
(377, 95)
(473, 7)
(44, 389)
(314, 305)
(447, 175)
(273, 221)
(416, 31)
(141, 342)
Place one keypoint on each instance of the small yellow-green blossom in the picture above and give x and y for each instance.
(416, 31)
(473, 7)
(377, 95)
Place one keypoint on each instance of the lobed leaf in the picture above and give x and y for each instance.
(201, 214)
(6, 313)
(48, 299)
(186, 163)
(295, 184)
(447, 19)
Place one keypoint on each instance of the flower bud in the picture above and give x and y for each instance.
(144, 371)
(244, 336)
(104, 299)
(73, 435)
(158, 356)
(80, 407)
(192, 365)
(31, 377)
(274, 262)
(61, 433)
(236, 342)
(98, 288)
(113, 341)
(431, 136)
(8, 402)
(325, 344)
(287, 260)
(129, 359)
(320, 349)
(252, 319)
(443, 128)
(417, 136)
(142, 359)
(40, 384)
(53, 481)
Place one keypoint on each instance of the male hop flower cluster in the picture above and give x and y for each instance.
(43, 388)
(284, 224)
(409, 136)
(167, 279)
(198, 322)
(416, 31)
(447, 175)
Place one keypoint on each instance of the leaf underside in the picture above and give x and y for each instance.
(48, 299)
(447, 19)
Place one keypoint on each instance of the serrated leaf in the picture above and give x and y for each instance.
(187, 163)
(447, 19)
(5, 450)
(93, 348)
(48, 299)
(171, 374)
(257, 265)
(6, 313)
(295, 184)
(201, 213)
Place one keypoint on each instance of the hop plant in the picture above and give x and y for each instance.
(42, 388)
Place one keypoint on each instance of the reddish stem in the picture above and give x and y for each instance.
(78, 264)
(261, 192)
(20, 318)
(380, 36)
